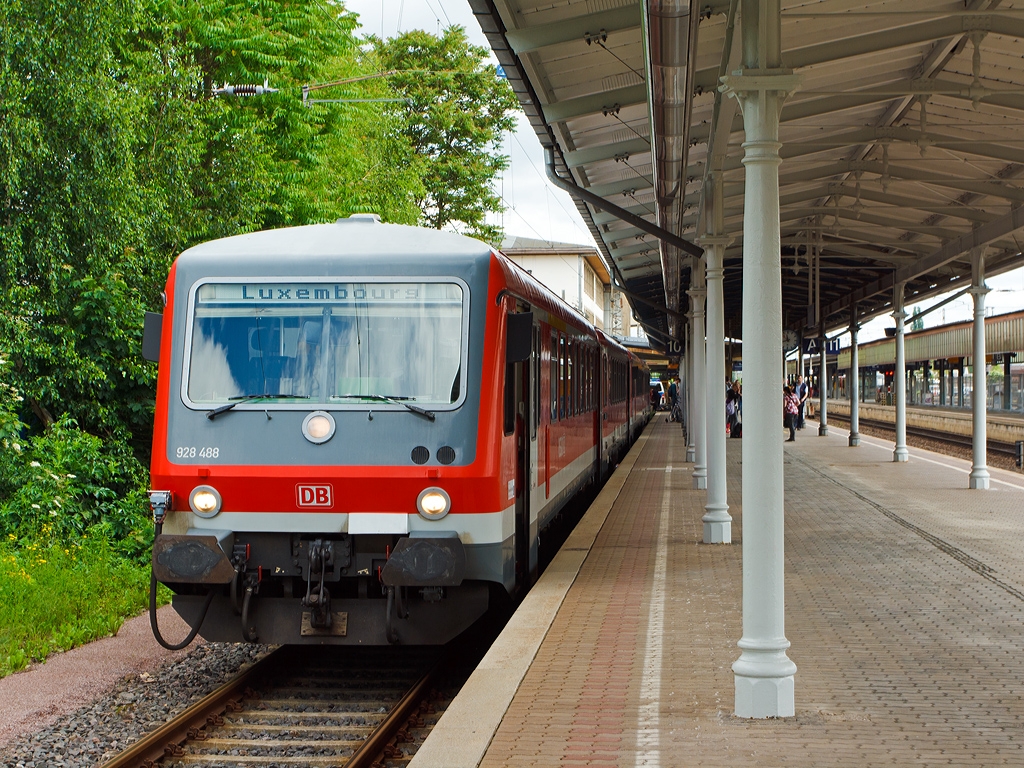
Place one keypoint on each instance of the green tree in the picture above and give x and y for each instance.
(114, 157)
(269, 161)
(70, 229)
(457, 109)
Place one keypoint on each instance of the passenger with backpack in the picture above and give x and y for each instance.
(791, 412)
(733, 410)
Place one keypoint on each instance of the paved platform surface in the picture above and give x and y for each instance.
(904, 607)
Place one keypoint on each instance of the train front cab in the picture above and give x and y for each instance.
(269, 553)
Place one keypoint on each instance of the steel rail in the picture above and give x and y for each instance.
(965, 441)
(165, 741)
(376, 742)
(162, 742)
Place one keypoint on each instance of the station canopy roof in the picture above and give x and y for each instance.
(902, 148)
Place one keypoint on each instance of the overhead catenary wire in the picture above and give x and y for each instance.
(547, 184)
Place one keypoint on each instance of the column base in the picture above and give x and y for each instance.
(764, 680)
(691, 454)
(700, 479)
(763, 697)
(854, 439)
(979, 479)
(901, 454)
(822, 430)
(718, 531)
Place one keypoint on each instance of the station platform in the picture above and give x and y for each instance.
(904, 608)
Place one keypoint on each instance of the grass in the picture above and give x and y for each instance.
(53, 598)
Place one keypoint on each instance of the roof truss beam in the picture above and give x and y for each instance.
(983, 235)
(616, 151)
(578, 28)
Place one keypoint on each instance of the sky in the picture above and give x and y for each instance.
(537, 209)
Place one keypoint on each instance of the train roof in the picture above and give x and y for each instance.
(361, 235)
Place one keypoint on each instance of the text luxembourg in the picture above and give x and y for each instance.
(327, 293)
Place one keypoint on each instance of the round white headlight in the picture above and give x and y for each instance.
(433, 503)
(204, 500)
(318, 427)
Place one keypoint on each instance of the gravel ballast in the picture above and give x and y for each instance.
(82, 707)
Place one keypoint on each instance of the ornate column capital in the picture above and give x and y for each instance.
(722, 240)
(743, 82)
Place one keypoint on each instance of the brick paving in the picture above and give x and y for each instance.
(905, 595)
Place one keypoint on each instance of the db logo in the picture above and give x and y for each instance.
(315, 495)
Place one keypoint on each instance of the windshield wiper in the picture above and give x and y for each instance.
(211, 415)
(396, 399)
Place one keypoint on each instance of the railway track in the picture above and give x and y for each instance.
(330, 706)
(964, 441)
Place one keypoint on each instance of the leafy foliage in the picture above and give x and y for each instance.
(457, 110)
(116, 155)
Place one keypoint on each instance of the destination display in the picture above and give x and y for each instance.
(326, 293)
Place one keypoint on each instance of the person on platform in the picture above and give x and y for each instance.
(733, 407)
(791, 411)
(802, 392)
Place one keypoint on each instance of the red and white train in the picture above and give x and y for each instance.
(363, 429)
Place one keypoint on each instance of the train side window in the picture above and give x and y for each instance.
(535, 367)
(584, 379)
(509, 425)
(582, 386)
(604, 378)
(577, 379)
(561, 376)
(553, 378)
(570, 379)
(593, 377)
(590, 379)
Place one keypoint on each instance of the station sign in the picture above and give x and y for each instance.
(673, 347)
(812, 346)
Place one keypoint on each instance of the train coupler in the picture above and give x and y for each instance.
(321, 560)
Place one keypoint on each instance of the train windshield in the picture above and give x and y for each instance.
(326, 343)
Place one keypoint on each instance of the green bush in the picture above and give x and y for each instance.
(68, 482)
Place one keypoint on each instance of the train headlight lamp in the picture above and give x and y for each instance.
(318, 427)
(433, 503)
(204, 500)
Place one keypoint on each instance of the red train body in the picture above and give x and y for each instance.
(363, 429)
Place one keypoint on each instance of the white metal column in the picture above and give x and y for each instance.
(979, 381)
(700, 384)
(899, 381)
(854, 382)
(717, 521)
(823, 386)
(691, 390)
(763, 674)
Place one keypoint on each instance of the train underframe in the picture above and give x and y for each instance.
(332, 589)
